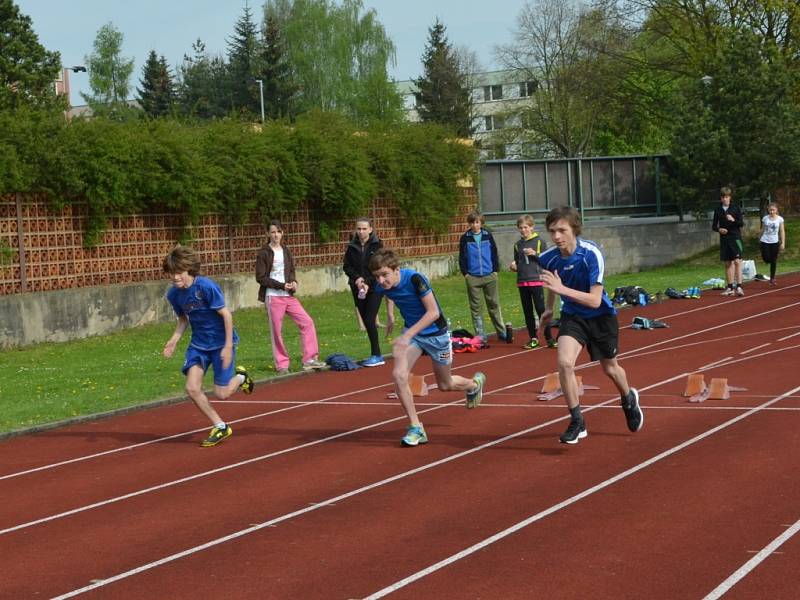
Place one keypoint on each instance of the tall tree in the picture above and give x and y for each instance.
(243, 49)
(202, 88)
(444, 95)
(275, 71)
(27, 69)
(339, 54)
(109, 72)
(157, 94)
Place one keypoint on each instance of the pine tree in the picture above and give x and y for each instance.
(202, 91)
(157, 94)
(275, 71)
(242, 56)
(444, 96)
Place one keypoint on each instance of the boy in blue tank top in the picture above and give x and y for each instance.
(425, 332)
(574, 269)
(198, 302)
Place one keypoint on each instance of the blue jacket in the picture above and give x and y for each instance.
(478, 259)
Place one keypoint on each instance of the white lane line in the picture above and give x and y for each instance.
(751, 564)
(715, 363)
(749, 350)
(568, 502)
(788, 336)
(234, 421)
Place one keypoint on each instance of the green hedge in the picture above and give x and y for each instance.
(232, 168)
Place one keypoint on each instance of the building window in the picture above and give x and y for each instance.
(527, 88)
(492, 92)
(492, 122)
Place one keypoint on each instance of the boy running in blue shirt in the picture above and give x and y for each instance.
(425, 332)
(198, 302)
(574, 269)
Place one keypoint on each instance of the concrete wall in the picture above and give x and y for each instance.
(63, 315)
(628, 245)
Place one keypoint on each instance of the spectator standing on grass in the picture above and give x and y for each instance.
(728, 222)
(425, 331)
(275, 273)
(529, 281)
(772, 239)
(362, 247)
(479, 264)
(574, 269)
(199, 303)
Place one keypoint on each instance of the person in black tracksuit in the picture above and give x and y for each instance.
(529, 282)
(728, 222)
(362, 285)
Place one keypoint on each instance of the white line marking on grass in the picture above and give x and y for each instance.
(749, 350)
(751, 564)
(568, 502)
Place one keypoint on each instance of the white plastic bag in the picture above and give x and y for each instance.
(748, 269)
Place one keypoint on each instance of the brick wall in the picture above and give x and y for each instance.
(132, 248)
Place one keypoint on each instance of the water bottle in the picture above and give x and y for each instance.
(509, 333)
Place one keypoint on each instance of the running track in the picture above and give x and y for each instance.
(314, 498)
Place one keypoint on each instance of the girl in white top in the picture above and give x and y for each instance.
(773, 239)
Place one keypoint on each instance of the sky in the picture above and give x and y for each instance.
(170, 27)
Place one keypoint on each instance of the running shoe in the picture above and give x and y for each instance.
(633, 412)
(728, 292)
(739, 290)
(373, 361)
(414, 436)
(533, 343)
(216, 436)
(315, 365)
(552, 343)
(576, 431)
(475, 396)
(283, 371)
(247, 385)
(773, 282)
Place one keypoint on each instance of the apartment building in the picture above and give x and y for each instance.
(496, 97)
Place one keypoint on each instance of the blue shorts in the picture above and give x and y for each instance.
(206, 358)
(438, 347)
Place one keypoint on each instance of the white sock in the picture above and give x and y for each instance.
(240, 377)
(221, 426)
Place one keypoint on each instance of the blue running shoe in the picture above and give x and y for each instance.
(414, 436)
(373, 361)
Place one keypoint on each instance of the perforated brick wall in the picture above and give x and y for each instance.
(53, 256)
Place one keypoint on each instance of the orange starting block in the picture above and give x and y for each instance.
(417, 385)
(551, 388)
(718, 389)
(695, 384)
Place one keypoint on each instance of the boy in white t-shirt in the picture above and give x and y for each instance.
(772, 239)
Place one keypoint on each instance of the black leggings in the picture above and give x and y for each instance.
(368, 309)
(769, 252)
(531, 296)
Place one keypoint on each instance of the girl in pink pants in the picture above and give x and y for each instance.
(275, 272)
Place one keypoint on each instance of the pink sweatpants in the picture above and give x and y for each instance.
(277, 307)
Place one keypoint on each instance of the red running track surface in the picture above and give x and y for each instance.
(313, 497)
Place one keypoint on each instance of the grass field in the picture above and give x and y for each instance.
(51, 382)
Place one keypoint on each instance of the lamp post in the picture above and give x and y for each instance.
(261, 94)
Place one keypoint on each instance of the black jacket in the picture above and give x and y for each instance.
(734, 227)
(528, 268)
(356, 259)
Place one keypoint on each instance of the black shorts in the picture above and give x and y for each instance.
(769, 252)
(730, 248)
(599, 334)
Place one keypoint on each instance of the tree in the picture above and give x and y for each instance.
(339, 54)
(157, 94)
(243, 48)
(27, 69)
(202, 91)
(109, 72)
(275, 71)
(444, 95)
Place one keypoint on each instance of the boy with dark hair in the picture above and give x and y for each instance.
(574, 269)
(198, 302)
(425, 332)
(479, 264)
(728, 222)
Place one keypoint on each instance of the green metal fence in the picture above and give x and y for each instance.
(597, 186)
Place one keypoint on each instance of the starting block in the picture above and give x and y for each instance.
(695, 384)
(551, 383)
(418, 386)
(551, 388)
(718, 389)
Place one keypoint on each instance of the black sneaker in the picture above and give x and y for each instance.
(576, 431)
(633, 412)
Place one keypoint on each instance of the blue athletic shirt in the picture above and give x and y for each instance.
(408, 294)
(200, 303)
(580, 271)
